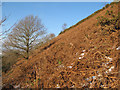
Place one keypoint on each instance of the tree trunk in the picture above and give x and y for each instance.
(27, 51)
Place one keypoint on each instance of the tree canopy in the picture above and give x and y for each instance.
(25, 35)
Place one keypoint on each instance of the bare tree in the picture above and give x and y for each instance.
(48, 37)
(25, 35)
(64, 26)
(4, 33)
(3, 19)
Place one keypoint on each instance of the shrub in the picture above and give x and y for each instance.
(107, 12)
(103, 8)
(111, 12)
(9, 59)
(107, 5)
(114, 3)
(111, 6)
(109, 25)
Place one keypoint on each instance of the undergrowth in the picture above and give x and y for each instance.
(109, 25)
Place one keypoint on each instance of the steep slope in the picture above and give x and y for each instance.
(80, 57)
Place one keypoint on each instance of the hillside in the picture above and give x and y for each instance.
(81, 57)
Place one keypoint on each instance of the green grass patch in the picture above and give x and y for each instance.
(59, 62)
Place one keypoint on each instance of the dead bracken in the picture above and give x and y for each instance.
(86, 60)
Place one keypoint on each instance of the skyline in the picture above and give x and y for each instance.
(52, 14)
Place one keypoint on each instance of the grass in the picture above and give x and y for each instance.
(86, 35)
(59, 62)
(109, 25)
(106, 12)
(95, 47)
(10, 72)
(33, 83)
(111, 6)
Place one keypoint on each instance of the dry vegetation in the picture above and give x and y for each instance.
(27, 35)
(86, 56)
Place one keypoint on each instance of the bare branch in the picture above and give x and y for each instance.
(25, 34)
(7, 30)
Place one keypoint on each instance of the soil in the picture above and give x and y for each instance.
(82, 57)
